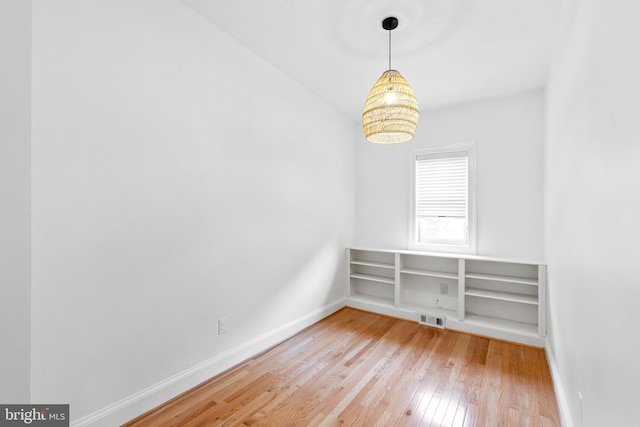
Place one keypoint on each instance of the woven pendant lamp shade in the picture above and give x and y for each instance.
(391, 111)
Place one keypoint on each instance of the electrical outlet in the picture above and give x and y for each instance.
(444, 288)
(223, 324)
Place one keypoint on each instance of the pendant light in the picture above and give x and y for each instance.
(391, 111)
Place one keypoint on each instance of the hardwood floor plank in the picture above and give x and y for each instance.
(439, 373)
(371, 398)
(425, 382)
(445, 412)
(359, 368)
(411, 379)
(399, 384)
(471, 416)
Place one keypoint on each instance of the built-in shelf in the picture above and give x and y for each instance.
(429, 273)
(371, 299)
(503, 324)
(373, 278)
(498, 278)
(373, 264)
(494, 297)
(502, 296)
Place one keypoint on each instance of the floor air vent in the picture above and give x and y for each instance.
(429, 320)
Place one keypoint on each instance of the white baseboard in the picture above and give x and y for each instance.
(561, 397)
(147, 399)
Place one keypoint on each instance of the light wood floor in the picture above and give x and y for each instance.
(361, 369)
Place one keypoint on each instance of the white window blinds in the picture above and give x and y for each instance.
(441, 185)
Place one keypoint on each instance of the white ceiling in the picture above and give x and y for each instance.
(450, 51)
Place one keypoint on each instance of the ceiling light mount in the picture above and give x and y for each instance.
(390, 23)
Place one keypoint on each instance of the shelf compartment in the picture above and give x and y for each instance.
(380, 259)
(503, 324)
(502, 296)
(373, 264)
(498, 278)
(427, 265)
(426, 292)
(429, 273)
(373, 278)
(372, 299)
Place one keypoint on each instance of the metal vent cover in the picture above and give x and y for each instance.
(430, 320)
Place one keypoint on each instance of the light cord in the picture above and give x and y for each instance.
(389, 49)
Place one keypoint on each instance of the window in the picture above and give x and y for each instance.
(442, 211)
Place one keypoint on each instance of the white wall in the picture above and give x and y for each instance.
(592, 206)
(177, 178)
(15, 141)
(508, 134)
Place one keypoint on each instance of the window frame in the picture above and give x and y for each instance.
(470, 246)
